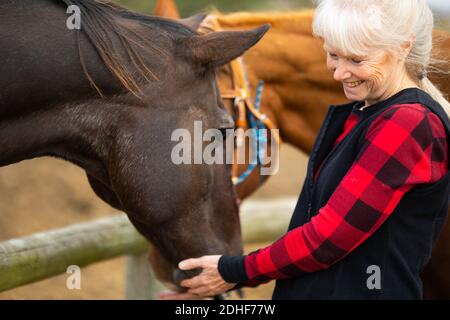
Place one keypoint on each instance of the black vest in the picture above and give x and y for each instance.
(400, 247)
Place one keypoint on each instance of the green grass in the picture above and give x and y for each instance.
(191, 7)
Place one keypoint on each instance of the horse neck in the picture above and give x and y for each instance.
(291, 62)
(81, 133)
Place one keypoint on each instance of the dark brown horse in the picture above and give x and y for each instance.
(298, 91)
(107, 97)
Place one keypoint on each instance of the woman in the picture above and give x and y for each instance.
(377, 187)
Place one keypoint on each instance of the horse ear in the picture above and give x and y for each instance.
(218, 48)
(194, 22)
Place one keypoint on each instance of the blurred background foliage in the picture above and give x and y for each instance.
(190, 7)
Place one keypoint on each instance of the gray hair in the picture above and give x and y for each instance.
(355, 27)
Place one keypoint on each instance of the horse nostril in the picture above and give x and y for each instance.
(180, 275)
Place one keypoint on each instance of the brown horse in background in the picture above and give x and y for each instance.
(298, 91)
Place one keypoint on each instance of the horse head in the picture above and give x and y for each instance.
(189, 209)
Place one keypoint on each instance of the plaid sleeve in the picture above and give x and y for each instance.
(405, 146)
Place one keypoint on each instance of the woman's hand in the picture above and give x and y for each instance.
(209, 282)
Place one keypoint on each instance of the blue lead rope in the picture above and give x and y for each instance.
(259, 142)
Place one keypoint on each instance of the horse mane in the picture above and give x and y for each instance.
(292, 21)
(103, 22)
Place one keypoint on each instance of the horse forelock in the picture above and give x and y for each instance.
(108, 26)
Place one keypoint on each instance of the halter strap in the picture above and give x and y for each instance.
(249, 114)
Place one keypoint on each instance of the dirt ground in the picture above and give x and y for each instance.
(43, 194)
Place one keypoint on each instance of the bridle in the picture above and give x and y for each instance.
(248, 112)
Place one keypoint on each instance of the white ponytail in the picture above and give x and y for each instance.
(355, 27)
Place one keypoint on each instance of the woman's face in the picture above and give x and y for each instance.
(370, 78)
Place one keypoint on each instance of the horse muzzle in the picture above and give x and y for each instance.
(179, 275)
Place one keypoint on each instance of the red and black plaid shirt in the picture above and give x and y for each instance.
(408, 135)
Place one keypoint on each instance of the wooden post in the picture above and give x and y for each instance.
(140, 282)
(266, 220)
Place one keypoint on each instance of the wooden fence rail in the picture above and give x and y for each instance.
(42, 255)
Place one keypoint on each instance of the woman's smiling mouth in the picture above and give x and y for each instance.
(353, 84)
